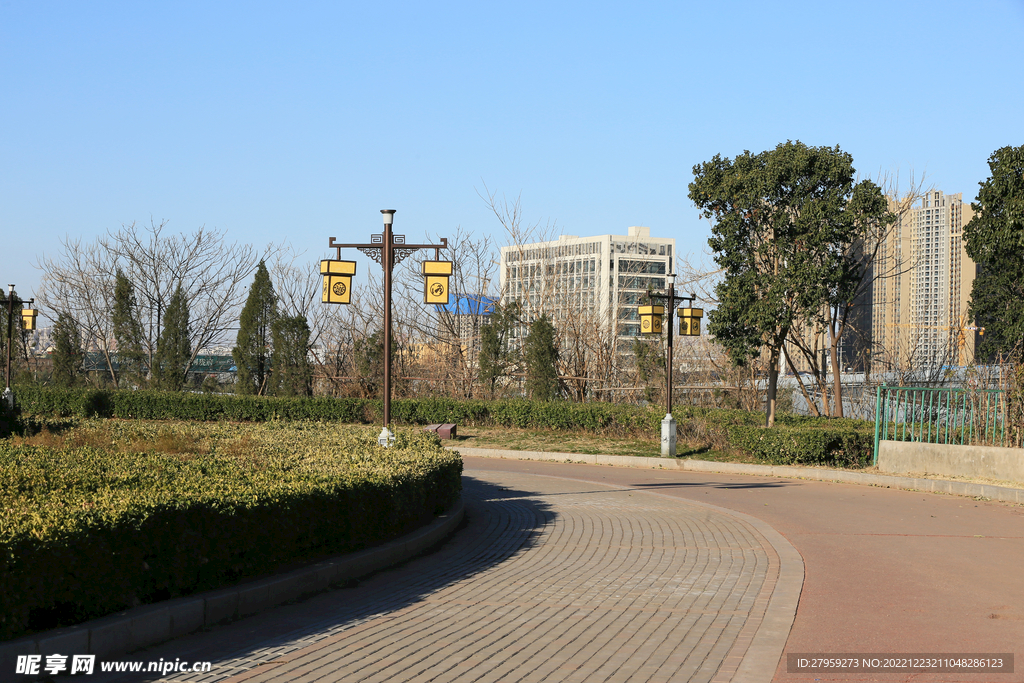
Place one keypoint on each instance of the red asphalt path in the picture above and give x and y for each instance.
(885, 570)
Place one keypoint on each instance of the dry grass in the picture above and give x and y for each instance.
(166, 440)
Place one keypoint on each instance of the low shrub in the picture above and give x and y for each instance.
(716, 428)
(808, 445)
(110, 515)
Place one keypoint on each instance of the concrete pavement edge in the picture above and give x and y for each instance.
(956, 488)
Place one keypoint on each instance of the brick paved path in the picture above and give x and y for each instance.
(551, 580)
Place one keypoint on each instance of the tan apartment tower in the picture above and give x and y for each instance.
(922, 288)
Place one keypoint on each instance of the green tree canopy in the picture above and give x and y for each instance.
(131, 357)
(67, 352)
(495, 358)
(994, 239)
(783, 222)
(540, 353)
(253, 345)
(292, 375)
(173, 350)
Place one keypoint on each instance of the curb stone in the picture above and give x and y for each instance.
(147, 625)
(955, 488)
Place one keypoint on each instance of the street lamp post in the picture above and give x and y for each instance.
(28, 318)
(388, 249)
(691, 317)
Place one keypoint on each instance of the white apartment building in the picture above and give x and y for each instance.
(923, 287)
(604, 277)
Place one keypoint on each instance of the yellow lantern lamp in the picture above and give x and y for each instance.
(435, 281)
(337, 281)
(28, 318)
(689, 321)
(650, 319)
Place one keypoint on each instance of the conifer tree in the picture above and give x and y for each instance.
(541, 355)
(173, 350)
(67, 352)
(252, 352)
(131, 359)
(292, 375)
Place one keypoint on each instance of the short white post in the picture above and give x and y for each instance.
(668, 436)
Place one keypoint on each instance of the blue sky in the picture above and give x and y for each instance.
(302, 120)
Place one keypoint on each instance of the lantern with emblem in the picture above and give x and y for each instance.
(689, 321)
(650, 319)
(28, 318)
(337, 281)
(435, 281)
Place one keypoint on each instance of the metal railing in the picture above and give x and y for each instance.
(971, 417)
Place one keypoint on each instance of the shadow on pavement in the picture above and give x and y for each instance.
(715, 485)
(500, 522)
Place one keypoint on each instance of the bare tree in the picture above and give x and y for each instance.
(211, 271)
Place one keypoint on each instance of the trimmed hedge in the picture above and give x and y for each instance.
(88, 530)
(810, 440)
(843, 447)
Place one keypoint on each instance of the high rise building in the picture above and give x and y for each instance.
(603, 277)
(922, 287)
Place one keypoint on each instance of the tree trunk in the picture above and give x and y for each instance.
(773, 381)
(807, 397)
(837, 372)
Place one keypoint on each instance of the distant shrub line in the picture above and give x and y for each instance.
(795, 439)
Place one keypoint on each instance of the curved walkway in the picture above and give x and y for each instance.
(550, 579)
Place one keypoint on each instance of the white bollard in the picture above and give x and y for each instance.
(668, 437)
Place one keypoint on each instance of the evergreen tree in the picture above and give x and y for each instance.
(495, 358)
(131, 359)
(541, 356)
(650, 367)
(368, 354)
(292, 375)
(252, 350)
(173, 349)
(994, 239)
(784, 222)
(67, 352)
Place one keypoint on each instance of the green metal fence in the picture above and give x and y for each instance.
(941, 415)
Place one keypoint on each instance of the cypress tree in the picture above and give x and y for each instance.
(173, 349)
(252, 352)
(131, 359)
(67, 352)
(541, 355)
(292, 375)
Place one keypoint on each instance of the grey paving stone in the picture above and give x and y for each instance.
(551, 580)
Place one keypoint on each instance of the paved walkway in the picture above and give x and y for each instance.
(550, 580)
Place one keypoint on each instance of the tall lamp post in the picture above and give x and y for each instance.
(387, 249)
(689, 326)
(28, 322)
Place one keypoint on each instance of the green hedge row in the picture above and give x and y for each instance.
(836, 446)
(157, 405)
(86, 531)
(806, 440)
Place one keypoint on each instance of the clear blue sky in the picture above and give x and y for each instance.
(302, 120)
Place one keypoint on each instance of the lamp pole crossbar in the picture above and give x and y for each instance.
(388, 249)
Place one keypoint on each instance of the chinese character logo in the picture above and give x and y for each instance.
(340, 288)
